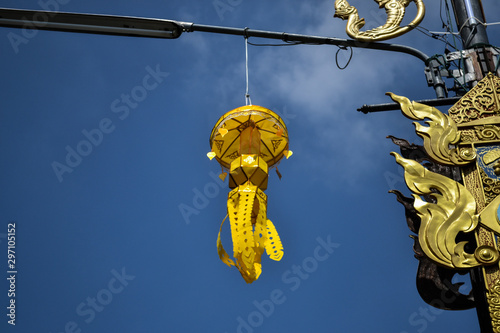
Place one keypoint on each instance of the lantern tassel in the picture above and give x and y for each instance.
(240, 208)
(251, 232)
(220, 249)
(274, 248)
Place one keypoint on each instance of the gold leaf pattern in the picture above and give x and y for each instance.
(480, 102)
(219, 144)
(491, 186)
(493, 296)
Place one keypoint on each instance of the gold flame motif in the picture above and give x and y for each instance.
(453, 211)
(439, 135)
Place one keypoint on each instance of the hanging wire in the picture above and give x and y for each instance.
(441, 12)
(449, 24)
(286, 42)
(435, 35)
(337, 57)
(449, 27)
(282, 44)
(289, 43)
(248, 101)
(471, 34)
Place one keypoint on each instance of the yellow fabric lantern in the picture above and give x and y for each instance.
(248, 141)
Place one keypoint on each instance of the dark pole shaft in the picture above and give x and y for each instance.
(470, 21)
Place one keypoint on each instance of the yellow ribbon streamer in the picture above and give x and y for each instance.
(220, 249)
(274, 248)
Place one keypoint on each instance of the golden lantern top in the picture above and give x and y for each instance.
(249, 129)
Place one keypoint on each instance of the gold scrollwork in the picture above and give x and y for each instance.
(493, 296)
(481, 101)
(491, 186)
(395, 10)
(439, 135)
(487, 132)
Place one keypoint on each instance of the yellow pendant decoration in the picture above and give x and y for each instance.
(248, 141)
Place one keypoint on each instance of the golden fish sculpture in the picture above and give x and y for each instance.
(247, 141)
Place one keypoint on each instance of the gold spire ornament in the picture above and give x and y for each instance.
(247, 141)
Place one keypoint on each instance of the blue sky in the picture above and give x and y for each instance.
(104, 247)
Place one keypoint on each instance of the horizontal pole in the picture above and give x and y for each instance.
(89, 23)
(395, 106)
(307, 39)
(159, 28)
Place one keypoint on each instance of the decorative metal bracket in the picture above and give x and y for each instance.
(395, 10)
